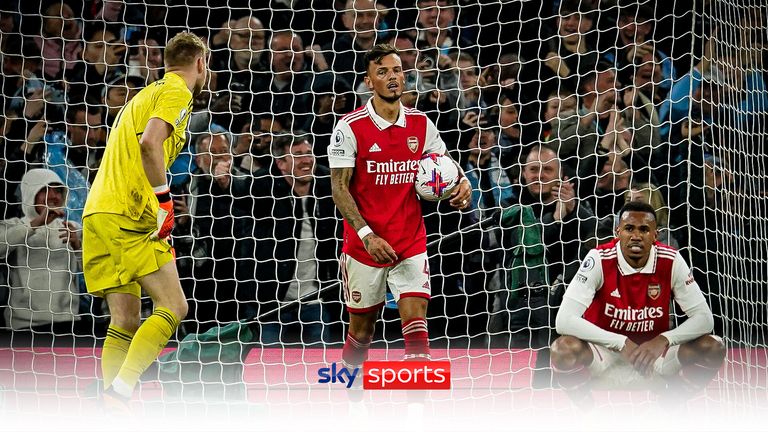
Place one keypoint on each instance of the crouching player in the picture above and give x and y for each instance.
(614, 319)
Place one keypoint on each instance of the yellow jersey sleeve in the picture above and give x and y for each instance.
(121, 186)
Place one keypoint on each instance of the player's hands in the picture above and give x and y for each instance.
(628, 350)
(461, 194)
(643, 358)
(379, 249)
(165, 217)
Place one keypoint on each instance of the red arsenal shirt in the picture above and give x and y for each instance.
(633, 302)
(385, 157)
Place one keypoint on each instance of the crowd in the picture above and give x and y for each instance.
(564, 111)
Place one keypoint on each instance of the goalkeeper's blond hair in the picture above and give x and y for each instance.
(183, 49)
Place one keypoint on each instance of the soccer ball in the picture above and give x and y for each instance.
(436, 177)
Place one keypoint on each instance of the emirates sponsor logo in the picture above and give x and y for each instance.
(392, 166)
(631, 314)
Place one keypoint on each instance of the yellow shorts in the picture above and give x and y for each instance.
(117, 252)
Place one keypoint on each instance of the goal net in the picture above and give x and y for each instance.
(636, 100)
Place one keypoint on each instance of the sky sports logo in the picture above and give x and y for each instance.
(391, 375)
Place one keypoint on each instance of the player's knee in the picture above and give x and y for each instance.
(180, 308)
(363, 332)
(125, 320)
(567, 351)
(711, 350)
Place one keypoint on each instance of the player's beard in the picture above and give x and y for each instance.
(391, 99)
(198, 88)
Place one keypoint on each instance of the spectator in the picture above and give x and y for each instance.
(100, 62)
(219, 231)
(491, 187)
(650, 194)
(602, 127)
(86, 138)
(344, 55)
(145, 58)
(436, 27)
(510, 140)
(60, 40)
(251, 150)
(613, 182)
(570, 227)
(570, 53)
(635, 50)
(560, 105)
(333, 98)
(285, 91)
(119, 92)
(297, 232)
(239, 71)
(43, 253)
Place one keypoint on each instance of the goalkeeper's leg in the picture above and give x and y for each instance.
(151, 337)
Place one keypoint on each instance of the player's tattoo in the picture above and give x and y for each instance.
(340, 178)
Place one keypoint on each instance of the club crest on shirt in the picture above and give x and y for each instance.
(356, 296)
(413, 143)
(654, 290)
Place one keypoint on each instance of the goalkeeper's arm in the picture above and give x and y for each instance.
(153, 160)
(152, 153)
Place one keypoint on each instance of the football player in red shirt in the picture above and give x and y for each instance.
(374, 155)
(614, 319)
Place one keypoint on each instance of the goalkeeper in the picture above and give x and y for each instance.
(129, 216)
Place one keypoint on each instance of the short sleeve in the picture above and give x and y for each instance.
(343, 147)
(172, 106)
(684, 287)
(433, 144)
(587, 280)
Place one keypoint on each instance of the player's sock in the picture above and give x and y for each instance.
(355, 352)
(149, 340)
(113, 352)
(416, 339)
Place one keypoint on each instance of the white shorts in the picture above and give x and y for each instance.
(609, 370)
(365, 287)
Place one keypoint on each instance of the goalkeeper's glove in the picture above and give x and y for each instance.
(165, 216)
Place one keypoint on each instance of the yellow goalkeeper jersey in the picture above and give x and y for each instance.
(121, 186)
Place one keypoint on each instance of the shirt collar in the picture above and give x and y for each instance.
(380, 122)
(626, 269)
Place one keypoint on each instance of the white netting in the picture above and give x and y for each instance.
(682, 101)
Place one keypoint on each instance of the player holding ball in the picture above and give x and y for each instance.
(374, 155)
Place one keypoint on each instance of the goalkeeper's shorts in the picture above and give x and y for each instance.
(117, 251)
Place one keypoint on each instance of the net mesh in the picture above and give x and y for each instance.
(661, 102)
